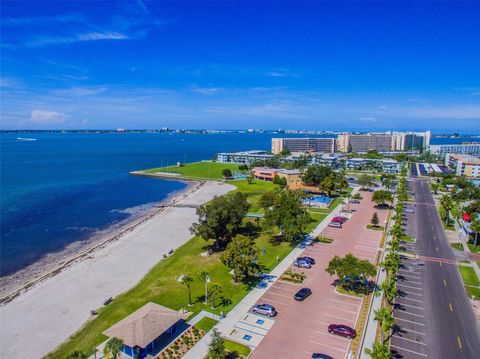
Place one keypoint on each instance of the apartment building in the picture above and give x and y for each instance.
(463, 165)
(243, 157)
(317, 144)
(466, 148)
(373, 165)
(383, 142)
(363, 143)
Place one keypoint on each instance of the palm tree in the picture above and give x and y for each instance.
(113, 347)
(447, 203)
(77, 354)
(214, 292)
(389, 288)
(379, 350)
(187, 281)
(382, 315)
(475, 226)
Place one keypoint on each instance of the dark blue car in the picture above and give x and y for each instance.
(302, 294)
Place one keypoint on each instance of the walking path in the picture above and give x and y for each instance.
(200, 350)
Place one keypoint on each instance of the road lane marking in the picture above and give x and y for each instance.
(436, 248)
(459, 343)
(408, 350)
(410, 340)
(409, 321)
(440, 263)
(445, 282)
(450, 305)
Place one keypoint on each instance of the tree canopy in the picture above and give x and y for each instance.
(288, 213)
(349, 268)
(241, 255)
(315, 174)
(216, 348)
(365, 180)
(381, 197)
(221, 218)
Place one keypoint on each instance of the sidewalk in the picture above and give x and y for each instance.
(200, 350)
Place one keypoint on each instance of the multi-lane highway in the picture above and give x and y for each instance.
(435, 317)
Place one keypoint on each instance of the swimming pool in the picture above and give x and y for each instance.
(315, 201)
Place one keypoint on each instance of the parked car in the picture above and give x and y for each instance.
(302, 294)
(321, 356)
(343, 217)
(408, 210)
(335, 225)
(342, 330)
(338, 219)
(307, 259)
(264, 309)
(302, 264)
(354, 201)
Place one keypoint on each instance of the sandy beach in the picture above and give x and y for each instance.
(46, 314)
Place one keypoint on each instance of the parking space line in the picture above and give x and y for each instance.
(411, 330)
(275, 301)
(409, 321)
(408, 305)
(344, 302)
(408, 350)
(415, 300)
(345, 340)
(417, 315)
(280, 295)
(411, 293)
(285, 289)
(410, 340)
(339, 317)
(408, 286)
(412, 281)
(343, 310)
(328, 346)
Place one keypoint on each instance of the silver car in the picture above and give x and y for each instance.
(264, 309)
(335, 225)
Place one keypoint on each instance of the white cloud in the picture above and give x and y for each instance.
(206, 90)
(9, 82)
(368, 119)
(47, 117)
(93, 36)
(82, 91)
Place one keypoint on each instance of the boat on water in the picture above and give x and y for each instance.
(26, 139)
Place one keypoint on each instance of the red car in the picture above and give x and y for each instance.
(342, 330)
(338, 220)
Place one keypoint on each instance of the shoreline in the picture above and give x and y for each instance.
(51, 264)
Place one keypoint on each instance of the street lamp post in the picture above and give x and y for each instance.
(207, 280)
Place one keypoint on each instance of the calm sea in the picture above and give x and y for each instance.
(64, 188)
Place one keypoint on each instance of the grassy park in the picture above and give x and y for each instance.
(198, 170)
(161, 285)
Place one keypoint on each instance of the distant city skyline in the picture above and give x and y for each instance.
(365, 66)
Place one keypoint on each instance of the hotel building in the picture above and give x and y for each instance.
(325, 145)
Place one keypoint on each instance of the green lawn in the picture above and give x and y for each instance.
(234, 346)
(457, 246)
(469, 276)
(473, 292)
(206, 324)
(473, 249)
(199, 170)
(375, 228)
(253, 191)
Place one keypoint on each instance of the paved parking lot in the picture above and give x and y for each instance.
(300, 328)
(408, 340)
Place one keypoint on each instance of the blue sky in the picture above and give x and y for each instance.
(315, 65)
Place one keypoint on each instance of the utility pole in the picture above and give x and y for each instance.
(207, 280)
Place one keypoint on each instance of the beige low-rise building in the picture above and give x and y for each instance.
(463, 165)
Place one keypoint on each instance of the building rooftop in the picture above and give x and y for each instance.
(467, 159)
(144, 325)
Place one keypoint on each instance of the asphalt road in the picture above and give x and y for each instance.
(441, 311)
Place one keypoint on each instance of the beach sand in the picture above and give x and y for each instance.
(42, 317)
